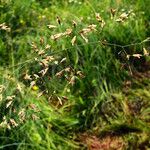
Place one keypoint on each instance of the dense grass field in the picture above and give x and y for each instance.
(74, 74)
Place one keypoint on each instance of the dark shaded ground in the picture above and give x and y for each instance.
(110, 140)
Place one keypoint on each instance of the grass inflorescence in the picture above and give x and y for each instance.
(74, 75)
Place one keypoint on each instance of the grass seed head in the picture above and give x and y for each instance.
(47, 46)
(51, 26)
(50, 58)
(3, 26)
(145, 52)
(21, 115)
(33, 107)
(63, 60)
(9, 103)
(137, 55)
(40, 94)
(113, 12)
(73, 40)
(59, 74)
(72, 80)
(58, 20)
(122, 17)
(92, 27)
(44, 63)
(103, 24)
(32, 83)
(98, 17)
(36, 76)
(85, 31)
(68, 69)
(41, 40)
(41, 52)
(2, 87)
(19, 88)
(60, 101)
(84, 38)
(128, 57)
(80, 74)
(34, 117)
(43, 72)
(68, 31)
(13, 123)
(34, 46)
(10, 97)
(27, 77)
(74, 23)
(1, 97)
(4, 123)
(57, 36)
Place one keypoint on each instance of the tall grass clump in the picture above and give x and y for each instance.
(70, 71)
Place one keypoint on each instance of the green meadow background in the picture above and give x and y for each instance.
(74, 74)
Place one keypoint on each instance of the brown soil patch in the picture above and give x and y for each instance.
(92, 142)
